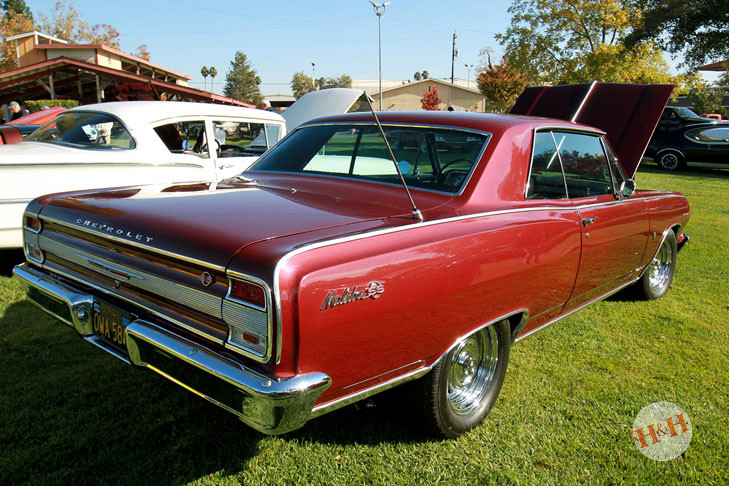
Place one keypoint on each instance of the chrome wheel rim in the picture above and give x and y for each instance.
(669, 161)
(659, 272)
(472, 370)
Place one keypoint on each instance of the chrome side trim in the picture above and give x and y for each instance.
(14, 201)
(582, 306)
(411, 375)
(135, 244)
(105, 164)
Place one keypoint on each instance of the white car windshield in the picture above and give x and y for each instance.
(85, 130)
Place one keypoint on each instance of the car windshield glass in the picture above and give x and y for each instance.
(685, 112)
(85, 130)
(437, 159)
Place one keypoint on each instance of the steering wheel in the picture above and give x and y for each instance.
(448, 164)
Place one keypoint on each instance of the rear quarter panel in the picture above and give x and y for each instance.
(440, 281)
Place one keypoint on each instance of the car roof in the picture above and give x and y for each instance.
(152, 111)
(489, 122)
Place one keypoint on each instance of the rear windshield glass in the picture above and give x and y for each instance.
(85, 130)
(437, 159)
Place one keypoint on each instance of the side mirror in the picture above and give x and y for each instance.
(627, 188)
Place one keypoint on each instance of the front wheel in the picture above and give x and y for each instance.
(460, 390)
(658, 276)
(670, 160)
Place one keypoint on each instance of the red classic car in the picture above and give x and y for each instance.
(316, 278)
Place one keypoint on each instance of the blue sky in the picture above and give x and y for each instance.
(281, 37)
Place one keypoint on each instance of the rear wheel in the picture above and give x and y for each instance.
(657, 278)
(460, 390)
(670, 160)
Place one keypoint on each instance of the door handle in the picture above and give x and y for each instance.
(589, 221)
(226, 166)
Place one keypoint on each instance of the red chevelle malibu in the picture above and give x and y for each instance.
(364, 251)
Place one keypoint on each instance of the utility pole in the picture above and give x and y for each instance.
(453, 59)
(313, 73)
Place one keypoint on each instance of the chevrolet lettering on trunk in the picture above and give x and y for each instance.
(366, 251)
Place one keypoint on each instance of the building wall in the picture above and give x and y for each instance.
(86, 55)
(109, 60)
(27, 53)
(408, 96)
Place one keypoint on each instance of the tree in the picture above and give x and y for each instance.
(205, 72)
(343, 81)
(15, 7)
(557, 41)
(417, 76)
(705, 98)
(66, 23)
(425, 74)
(430, 100)
(214, 72)
(500, 84)
(142, 52)
(301, 84)
(241, 81)
(9, 26)
(698, 29)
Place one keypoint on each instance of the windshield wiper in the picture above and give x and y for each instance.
(416, 212)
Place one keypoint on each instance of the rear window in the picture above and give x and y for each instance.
(85, 130)
(436, 159)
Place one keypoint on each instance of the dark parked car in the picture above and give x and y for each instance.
(679, 116)
(697, 145)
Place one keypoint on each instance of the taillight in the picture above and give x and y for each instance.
(246, 310)
(248, 293)
(32, 223)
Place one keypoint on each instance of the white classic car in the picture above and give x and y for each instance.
(144, 142)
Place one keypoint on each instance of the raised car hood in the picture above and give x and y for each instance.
(333, 101)
(627, 113)
(209, 223)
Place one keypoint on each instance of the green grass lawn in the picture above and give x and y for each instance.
(71, 414)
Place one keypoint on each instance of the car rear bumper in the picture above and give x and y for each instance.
(268, 405)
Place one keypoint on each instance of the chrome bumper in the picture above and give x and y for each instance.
(269, 406)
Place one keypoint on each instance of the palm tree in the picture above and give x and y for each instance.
(204, 71)
(212, 72)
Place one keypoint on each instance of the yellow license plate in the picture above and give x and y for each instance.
(110, 323)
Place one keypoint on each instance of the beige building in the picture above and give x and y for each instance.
(407, 96)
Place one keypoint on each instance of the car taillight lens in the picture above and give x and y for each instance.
(32, 223)
(248, 292)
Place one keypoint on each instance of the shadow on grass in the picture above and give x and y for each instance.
(652, 168)
(73, 414)
(8, 259)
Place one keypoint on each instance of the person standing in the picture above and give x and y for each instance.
(17, 111)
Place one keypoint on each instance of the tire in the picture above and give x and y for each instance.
(462, 387)
(657, 278)
(670, 160)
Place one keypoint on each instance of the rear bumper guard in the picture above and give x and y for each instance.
(269, 406)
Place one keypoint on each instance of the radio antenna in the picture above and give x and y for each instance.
(416, 212)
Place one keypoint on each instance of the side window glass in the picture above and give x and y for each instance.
(184, 138)
(585, 165)
(240, 139)
(546, 180)
(720, 134)
(617, 171)
(273, 134)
